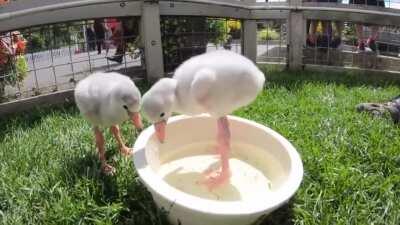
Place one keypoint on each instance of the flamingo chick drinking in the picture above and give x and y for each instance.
(106, 100)
(216, 83)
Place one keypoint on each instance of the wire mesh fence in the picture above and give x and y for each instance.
(347, 44)
(272, 41)
(44, 59)
(49, 58)
(186, 36)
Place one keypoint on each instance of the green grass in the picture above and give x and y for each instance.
(49, 172)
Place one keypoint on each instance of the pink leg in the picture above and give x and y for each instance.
(219, 177)
(106, 168)
(122, 147)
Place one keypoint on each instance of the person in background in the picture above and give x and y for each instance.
(12, 56)
(118, 40)
(11, 45)
(99, 31)
(328, 37)
(18, 43)
(336, 36)
(312, 38)
(125, 32)
(91, 39)
(107, 37)
(370, 43)
(110, 24)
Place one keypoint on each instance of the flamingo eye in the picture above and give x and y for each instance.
(125, 107)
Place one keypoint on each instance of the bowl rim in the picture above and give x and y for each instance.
(156, 184)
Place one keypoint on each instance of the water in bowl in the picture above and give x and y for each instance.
(251, 166)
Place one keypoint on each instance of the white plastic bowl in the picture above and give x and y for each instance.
(187, 209)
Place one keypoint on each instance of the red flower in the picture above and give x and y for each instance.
(3, 2)
(20, 47)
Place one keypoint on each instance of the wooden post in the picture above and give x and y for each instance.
(297, 36)
(249, 37)
(151, 39)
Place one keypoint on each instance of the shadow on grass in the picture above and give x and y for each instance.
(88, 167)
(29, 119)
(140, 208)
(137, 204)
(282, 216)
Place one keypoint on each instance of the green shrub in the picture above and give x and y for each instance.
(21, 67)
(350, 36)
(219, 31)
(267, 34)
(36, 43)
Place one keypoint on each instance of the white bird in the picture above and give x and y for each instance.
(216, 83)
(106, 100)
